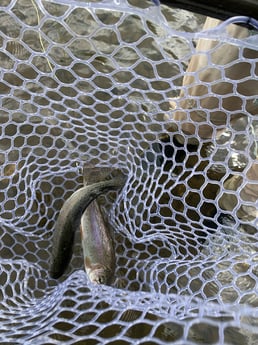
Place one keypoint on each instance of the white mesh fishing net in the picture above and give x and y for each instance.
(98, 82)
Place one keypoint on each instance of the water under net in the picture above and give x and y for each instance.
(102, 82)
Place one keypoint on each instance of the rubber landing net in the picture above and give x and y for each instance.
(100, 82)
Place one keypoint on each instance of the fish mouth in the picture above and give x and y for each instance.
(100, 275)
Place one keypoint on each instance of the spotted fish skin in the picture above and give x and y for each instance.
(98, 246)
(69, 218)
(97, 235)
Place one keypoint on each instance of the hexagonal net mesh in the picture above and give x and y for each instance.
(102, 82)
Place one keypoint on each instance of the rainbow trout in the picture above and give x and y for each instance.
(95, 236)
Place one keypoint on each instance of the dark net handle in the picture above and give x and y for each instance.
(220, 9)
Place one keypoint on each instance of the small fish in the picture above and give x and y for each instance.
(69, 219)
(98, 247)
(96, 235)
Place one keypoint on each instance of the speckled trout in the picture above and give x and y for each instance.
(96, 239)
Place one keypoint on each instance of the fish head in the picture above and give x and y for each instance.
(99, 276)
(99, 273)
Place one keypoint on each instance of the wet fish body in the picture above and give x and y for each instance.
(96, 234)
(98, 246)
(69, 220)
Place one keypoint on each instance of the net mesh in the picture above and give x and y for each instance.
(99, 82)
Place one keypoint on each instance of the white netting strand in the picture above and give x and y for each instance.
(106, 82)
